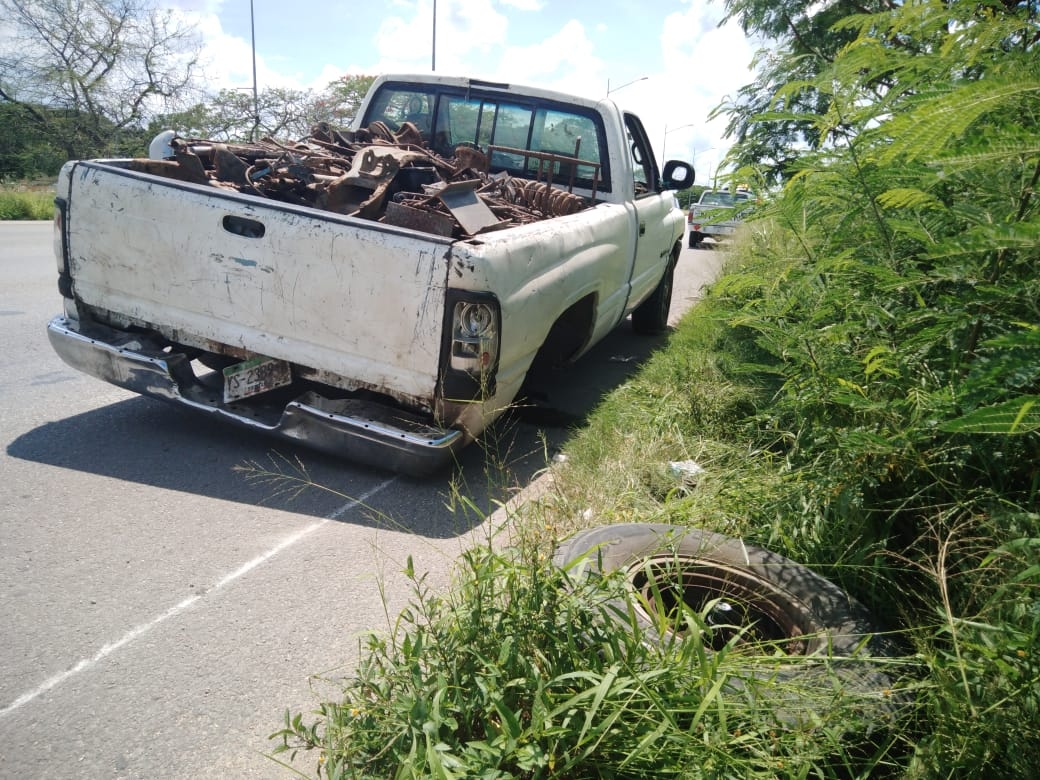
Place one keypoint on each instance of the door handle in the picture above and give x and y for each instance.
(642, 228)
(243, 226)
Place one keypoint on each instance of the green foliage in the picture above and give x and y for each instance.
(522, 672)
(895, 299)
(861, 385)
(905, 327)
(983, 700)
(26, 203)
(23, 154)
(342, 99)
(771, 118)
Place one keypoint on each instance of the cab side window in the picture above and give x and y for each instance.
(396, 107)
(644, 165)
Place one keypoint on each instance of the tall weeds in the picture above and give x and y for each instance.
(894, 294)
(523, 673)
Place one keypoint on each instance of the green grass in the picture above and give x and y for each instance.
(516, 673)
(522, 672)
(26, 201)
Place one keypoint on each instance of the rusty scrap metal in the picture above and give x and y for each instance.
(548, 162)
(379, 174)
(465, 205)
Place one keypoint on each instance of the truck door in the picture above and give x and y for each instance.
(651, 211)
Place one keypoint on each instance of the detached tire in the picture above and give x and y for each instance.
(747, 596)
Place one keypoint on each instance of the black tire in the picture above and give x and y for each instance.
(749, 596)
(651, 316)
(695, 239)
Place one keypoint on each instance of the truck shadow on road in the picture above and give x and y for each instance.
(147, 442)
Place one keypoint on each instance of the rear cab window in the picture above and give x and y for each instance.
(520, 135)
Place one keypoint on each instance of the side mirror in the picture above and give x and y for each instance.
(678, 175)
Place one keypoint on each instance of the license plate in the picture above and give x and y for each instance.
(255, 376)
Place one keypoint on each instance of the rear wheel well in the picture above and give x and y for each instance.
(568, 335)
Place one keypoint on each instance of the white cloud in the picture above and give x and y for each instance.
(565, 61)
(703, 64)
(466, 29)
(524, 5)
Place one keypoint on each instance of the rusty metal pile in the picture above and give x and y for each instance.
(377, 174)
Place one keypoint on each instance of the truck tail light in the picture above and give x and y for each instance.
(60, 208)
(474, 337)
(61, 246)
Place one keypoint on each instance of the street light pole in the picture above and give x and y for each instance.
(664, 141)
(256, 99)
(633, 81)
(433, 56)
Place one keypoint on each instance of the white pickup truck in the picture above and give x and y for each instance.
(391, 317)
(716, 215)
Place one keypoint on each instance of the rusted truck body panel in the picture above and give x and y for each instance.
(312, 290)
(378, 341)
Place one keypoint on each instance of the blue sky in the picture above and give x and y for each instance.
(690, 64)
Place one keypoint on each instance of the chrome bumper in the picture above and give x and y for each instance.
(360, 430)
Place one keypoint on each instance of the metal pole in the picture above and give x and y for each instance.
(433, 58)
(633, 81)
(664, 141)
(256, 99)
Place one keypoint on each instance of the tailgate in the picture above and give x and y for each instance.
(357, 298)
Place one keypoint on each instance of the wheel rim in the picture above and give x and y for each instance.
(733, 605)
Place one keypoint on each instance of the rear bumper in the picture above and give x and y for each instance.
(361, 430)
(717, 231)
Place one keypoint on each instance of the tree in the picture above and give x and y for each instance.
(191, 122)
(88, 74)
(279, 112)
(770, 117)
(342, 98)
(893, 289)
(23, 154)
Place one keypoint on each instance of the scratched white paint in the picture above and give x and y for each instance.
(315, 290)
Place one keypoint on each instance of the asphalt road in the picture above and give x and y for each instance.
(159, 608)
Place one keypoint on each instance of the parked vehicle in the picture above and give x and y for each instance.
(716, 215)
(381, 292)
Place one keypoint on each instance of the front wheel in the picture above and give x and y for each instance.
(651, 316)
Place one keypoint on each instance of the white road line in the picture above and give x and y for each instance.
(144, 628)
